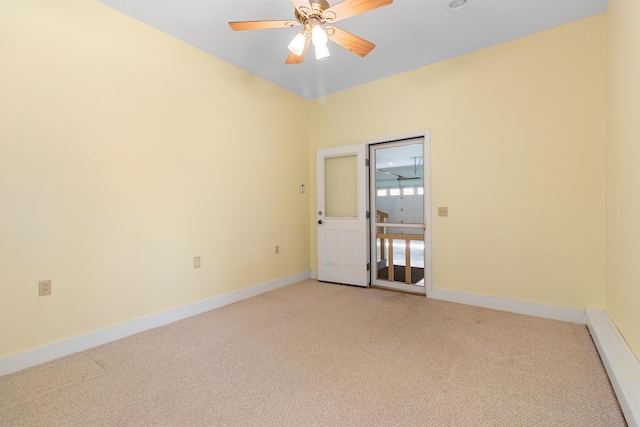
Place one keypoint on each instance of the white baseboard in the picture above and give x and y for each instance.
(53, 351)
(565, 314)
(314, 274)
(621, 364)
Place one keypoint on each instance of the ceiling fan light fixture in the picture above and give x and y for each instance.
(297, 44)
(319, 39)
(319, 36)
(322, 52)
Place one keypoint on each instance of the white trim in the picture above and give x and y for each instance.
(620, 362)
(50, 352)
(555, 312)
(428, 234)
(426, 133)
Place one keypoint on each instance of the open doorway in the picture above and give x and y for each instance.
(399, 199)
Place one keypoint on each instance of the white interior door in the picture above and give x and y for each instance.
(341, 216)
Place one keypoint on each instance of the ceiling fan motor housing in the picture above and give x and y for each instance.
(318, 7)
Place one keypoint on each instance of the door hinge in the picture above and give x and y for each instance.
(368, 266)
(366, 162)
(368, 214)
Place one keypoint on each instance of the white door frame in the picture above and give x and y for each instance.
(426, 135)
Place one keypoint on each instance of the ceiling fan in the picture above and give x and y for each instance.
(316, 17)
(398, 176)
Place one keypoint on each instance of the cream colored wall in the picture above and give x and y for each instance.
(517, 146)
(124, 153)
(623, 170)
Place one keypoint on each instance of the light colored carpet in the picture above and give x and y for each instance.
(322, 354)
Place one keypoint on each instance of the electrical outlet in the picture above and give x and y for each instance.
(443, 211)
(196, 262)
(277, 249)
(44, 288)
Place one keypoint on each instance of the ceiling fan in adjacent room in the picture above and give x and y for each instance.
(317, 17)
(398, 176)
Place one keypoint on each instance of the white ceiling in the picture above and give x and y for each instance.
(408, 34)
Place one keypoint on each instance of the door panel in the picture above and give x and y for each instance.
(353, 249)
(341, 186)
(330, 246)
(342, 223)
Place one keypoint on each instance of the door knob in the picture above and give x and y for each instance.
(319, 221)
